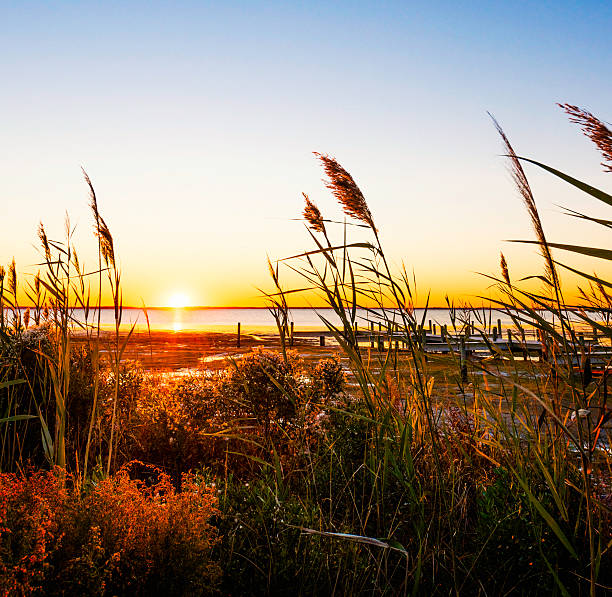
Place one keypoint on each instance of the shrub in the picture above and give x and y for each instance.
(131, 384)
(328, 379)
(22, 357)
(119, 536)
(258, 406)
(172, 423)
(143, 538)
(265, 387)
(80, 399)
(30, 509)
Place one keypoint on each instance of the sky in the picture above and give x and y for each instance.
(196, 122)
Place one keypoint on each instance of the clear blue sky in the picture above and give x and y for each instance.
(196, 122)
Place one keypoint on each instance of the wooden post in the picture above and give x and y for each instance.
(463, 362)
(238, 336)
(434, 329)
(494, 334)
(499, 330)
(509, 340)
(321, 340)
(430, 326)
(543, 346)
(372, 335)
(291, 334)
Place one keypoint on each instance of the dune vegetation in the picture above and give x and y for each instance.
(370, 473)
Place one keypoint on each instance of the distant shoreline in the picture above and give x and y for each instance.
(445, 308)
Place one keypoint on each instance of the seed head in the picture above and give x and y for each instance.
(504, 269)
(345, 189)
(312, 215)
(594, 129)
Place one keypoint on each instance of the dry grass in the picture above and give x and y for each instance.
(595, 129)
(346, 191)
(313, 216)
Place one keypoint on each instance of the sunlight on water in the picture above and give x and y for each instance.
(177, 323)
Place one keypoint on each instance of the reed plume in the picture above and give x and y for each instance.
(93, 201)
(44, 241)
(101, 230)
(593, 128)
(12, 279)
(37, 298)
(106, 244)
(520, 179)
(345, 189)
(312, 215)
(504, 269)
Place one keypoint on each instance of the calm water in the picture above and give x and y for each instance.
(254, 320)
(261, 320)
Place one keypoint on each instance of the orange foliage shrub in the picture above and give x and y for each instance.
(146, 532)
(121, 536)
(30, 509)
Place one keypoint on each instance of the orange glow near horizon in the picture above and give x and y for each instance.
(240, 289)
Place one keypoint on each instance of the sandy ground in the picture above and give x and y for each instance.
(173, 351)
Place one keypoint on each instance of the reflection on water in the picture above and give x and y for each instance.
(255, 321)
(177, 323)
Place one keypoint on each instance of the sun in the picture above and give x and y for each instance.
(178, 300)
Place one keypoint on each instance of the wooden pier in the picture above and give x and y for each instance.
(495, 343)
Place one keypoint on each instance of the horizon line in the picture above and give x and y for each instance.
(218, 307)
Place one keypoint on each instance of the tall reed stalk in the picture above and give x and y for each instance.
(545, 432)
(62, 286)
